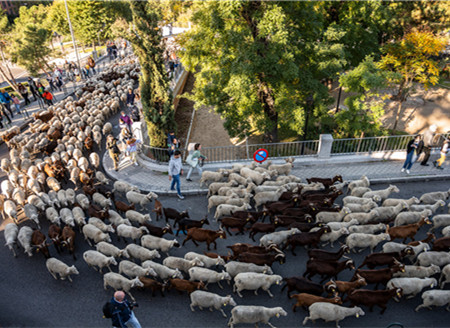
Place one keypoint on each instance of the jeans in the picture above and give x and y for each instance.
(199, 170)
(133, 321)
(8, 108)
(17, 108)
(409, 160)
(176, 180)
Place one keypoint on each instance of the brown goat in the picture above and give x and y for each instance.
(305, 300)
(122, 207)
(38, 240)
(406, 231)
(153, 285)
(158, 209)
(54, 233)
(204, 235)
(343, 287)
(185, 285)
(68, 237)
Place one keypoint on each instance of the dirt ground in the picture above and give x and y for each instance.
(422, 109)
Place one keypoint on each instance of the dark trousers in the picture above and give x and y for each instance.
(7, 106)
(426, 150)
(25, 97)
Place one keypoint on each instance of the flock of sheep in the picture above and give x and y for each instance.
(58, 150)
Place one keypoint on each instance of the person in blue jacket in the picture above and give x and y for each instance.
(6, 99)
(122, 314)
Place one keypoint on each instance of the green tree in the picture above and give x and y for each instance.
(410, 60)
(364, 107)
(156, 96)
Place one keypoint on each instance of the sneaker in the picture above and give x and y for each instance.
(180, 196)
(435, 164)
(407, 172)
(136, 164)
(425, 164)
(439, 167)
(403, 170)
(189, 180)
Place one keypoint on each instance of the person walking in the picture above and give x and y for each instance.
(33, 88)
(120, 310)
(114, 151)
(428, 142)
(5, 99)
(130, 97)
(411, 152)
(91, 63)
(24, 93)
(16, 102)
(193, 161)
(444, 150)
(126, 119)
(48, 97)
(132, 147)
(175, 171)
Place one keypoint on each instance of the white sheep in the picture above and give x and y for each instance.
(411, 217)
(397, 247)
(162, 271)
(101, 225)
(204, 299)
(116, 219)
(225, 209)
(433, 208)
(79, 216)
(417, 271)
(326, 217)
(339, 225)
(32, 213)
(70, 196)
(333, 236)
(214, 187)
(53, 216)
(234, 268)
(278, 237)
(181, 264)
(256, 177)
(207, 261)
(446, 231)
(45, 198)
(7, 188)
(36, 201)
(441, 220)
(239, 179)
(100, 176)
(118, 282)
(445, 276)
(358, 208)
(436, 258)
(67, 217)
(383, 194)
(358, 200)
(111, 250)
(54, 198)
(359, 191)
(260, 189)
(11, 232)
(124, 187)
(411, 286)
(394, 201)
(239, 201)
(331, 312)
(19, 196)
(240, 191)
(368, 229)
(53, 184)
(217, 200)
(107, 128)
(208, 276)
(254, 281)
(94, 258)
(283, 169)
(254, 314)
(61, 194)
(10, 209)
(55, 266)
(363, 182)
(361, 217)
(135, 216)
(142, 253)
(363, 240)
(268, 196)
(432, 197)
(133, 270)
(127, 231)
(162, 244)
(101, 200)
(92, 232)
(388, 212)
(138, 198)
(435, 298)
(94, 159)
(83, 201)
(209, 176)
(24, 238)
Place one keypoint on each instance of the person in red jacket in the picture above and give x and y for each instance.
(48, 97)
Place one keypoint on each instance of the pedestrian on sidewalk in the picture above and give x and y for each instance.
(114, 151)
(40, 89)
(444, 150)
(130, 97)
(33, 89)
(126, 119)
(4, 114)
(175, 171)
(132, 148)
(193, 161)
(428, 143)
(24, 93)
(16, 102)
(5, 99)
(48, 97)
(411, 153)
(91, 63)
(121, 312)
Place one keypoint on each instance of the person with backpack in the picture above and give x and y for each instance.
(120, 311)
(6, 99)
(114, 151)
(444, 150)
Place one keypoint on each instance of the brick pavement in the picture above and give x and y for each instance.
(377, 171)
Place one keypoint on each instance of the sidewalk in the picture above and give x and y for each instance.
(377, 171)
(67, 89)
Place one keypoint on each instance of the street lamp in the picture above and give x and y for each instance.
(73, 37)
(59, 37)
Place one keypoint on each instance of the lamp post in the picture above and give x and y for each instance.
(73, 37)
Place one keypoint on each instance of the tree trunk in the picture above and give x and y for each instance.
(397, 114)
(13, 80)
(267, 99)
(11, 84)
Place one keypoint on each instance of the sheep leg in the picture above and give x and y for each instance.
(54, 275)
(268, 292)
(256, 292)
(134, 300)
(70, 279)
(223, 313)
(272, 326)
(192, 307)
(187, 238)
(308, 318)
(210, 309)
(219, 285)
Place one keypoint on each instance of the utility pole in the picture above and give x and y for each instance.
(73, 37)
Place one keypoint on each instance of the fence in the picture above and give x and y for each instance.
(298, 148)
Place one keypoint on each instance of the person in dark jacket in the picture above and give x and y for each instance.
(33, 88)
(114, 151)
(411, 152)
(122, 315)
(428, 143)
(5, 99)
(130, 97)
(24, 93)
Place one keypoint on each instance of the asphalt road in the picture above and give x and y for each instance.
(31, 297)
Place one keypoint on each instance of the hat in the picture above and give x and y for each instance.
(131, 141)
(433, 128)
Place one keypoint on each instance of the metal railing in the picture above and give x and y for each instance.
(242, 152)
(375, 144)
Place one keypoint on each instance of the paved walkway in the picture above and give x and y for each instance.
(378, 172)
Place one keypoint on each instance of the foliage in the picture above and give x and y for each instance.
(156, 97)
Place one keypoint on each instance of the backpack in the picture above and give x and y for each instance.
(108, 310)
